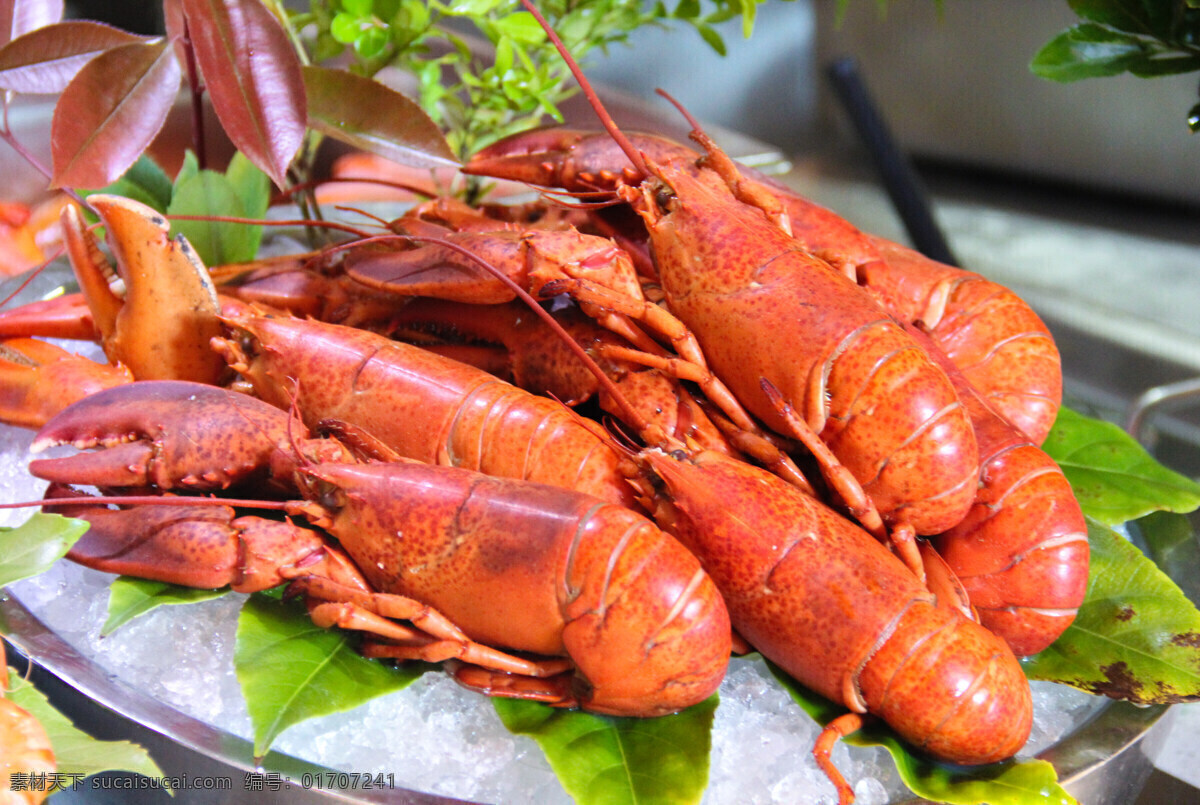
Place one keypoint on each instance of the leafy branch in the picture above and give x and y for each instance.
(480, 100)
(482, 69)
(1145, 38)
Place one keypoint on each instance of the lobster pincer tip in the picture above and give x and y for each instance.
(153, 434)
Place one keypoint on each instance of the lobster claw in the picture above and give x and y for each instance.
(573, 159)
(200, 546)
(170, 435)
(37, 380)
(535, 157)
(162, 326)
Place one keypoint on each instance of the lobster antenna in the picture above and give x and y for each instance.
(635, 156)
(692, 121)
(605, 381)
(151, 500)
(229, 219)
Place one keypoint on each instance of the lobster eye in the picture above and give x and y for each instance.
(664, 197)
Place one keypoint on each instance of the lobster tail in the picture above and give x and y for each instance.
(949, 687)
(1022, 552)
(644, 623)
(836, 610)
(561, 573)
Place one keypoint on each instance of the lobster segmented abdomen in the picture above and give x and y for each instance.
(1022, 551)
(896, 423)
(556, 572)
(999, 343)
(949, 687)
(830, 605)
(763, 308)
(643, 620)
(425, 406)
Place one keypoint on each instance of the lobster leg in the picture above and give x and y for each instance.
(436, 639)
(538, 361)
(557, 690)
(834, 731)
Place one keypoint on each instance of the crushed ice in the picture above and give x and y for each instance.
(435, 736)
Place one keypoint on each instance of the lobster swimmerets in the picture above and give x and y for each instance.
(564, 574)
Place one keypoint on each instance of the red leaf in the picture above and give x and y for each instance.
(253, 77)
(110, 112)
(19, 17)
(373, 117)
(45, 60)
(173, 22)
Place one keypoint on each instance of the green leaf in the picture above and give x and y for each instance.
(522, 27)
(146, 182)
(76, 752)
(344, 28)
(1013, 782)
(217, 243)
(1125, 15)
(710, 35)
(371, 42)
(129, 597)
(1171, 544)
(603, 759)
(370, 116)
(243, 191)
(1114, 478)
(32, 547)
(1088, 51)
(359, 8)
(252, 186)
(1136, 637)
(188, 168)
(1157, 67)
(291, 670)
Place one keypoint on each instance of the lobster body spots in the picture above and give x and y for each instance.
(836, 610)
(541, 569)
(762, 307)
(424, 406)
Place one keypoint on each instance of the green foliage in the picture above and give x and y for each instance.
(32, 547)
(129, 597)
(602, 759)
(1012, 782)
(1136, 637)
(76, 752)
(1114, 478)
(1145, 38)
(479, 100)
(291, 670)
(243, 191)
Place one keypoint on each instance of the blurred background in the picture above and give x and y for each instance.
(1083, 197)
